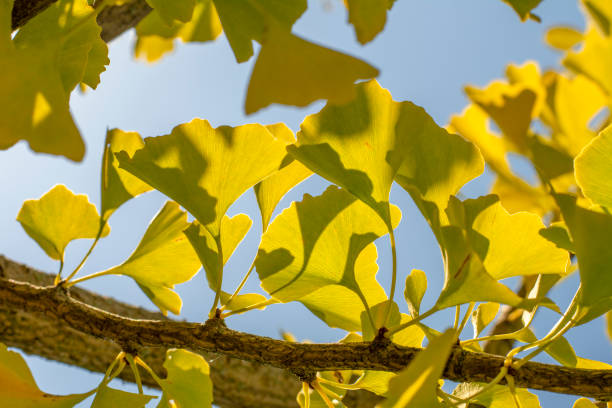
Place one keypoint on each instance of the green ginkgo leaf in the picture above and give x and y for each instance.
(498, 396)
(171, 10)
(40, 66)
(119, 186)
(483, 315)
(523, 7)
(272, 189)
(206, 169)
(233, 231)
(163, 258)
(314, 252)
(417, 384)
(361, 145)
(292, 71)
(590, 232)
(19, 390)
(557, 234)
(188, 382)
(368, 17)
(416, 285)
(107, 397)
(59, 217)
(247, 20)
(594, 169)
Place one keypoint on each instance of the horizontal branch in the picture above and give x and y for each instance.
(114, 20)
(301, 359)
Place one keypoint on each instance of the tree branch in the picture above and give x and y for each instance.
(114, 20)
(213, 336)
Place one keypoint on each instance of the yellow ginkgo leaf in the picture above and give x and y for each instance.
(59, 217)
(206, 169)
(188, 384)
(119, 186)
(315, 253)
(361, 146)
(171, 10)
(563, 38)
(368, 17)
(247, 20)
(19, 390)
(292, 71)
(233, 231)
(589, 61)
(107, 397)
(601, 12)
(594, 169)
(483, 315)
(163, 258)
(498, 396)
(272, 189)
(417, 384)
(512, 107)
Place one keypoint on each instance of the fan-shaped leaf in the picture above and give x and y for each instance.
(206, 169)
(188, 382)
(416, 285)
(563, 38)
(107, 397)
(589, 62)
(483, 315)
(59, 217)
(594, 169)
(368, 17)
(171, 10)
(162, 259)
(497, 397)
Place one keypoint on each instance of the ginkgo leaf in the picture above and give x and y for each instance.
(163, 258)
(233, 231)
(594, 169)
(557, 233)
(315, 253)
(107, 397)
(510, 244)
(292, 71)
(563, 38)
(368, 17)
(483, 315)
(59, 217)
(171, 10)
(247, 20)
(411, 336)
(512, 107)
(19, 390)
(361, 145)
(119, 186)
(97, 60)
(417, 384)
(590, 232)
(206, 169)
(601, 12)
(272, 189)
(583, 403)
(416, 285)
(589, 62)
(241, 301)
(498, 396)
(155, 37)
(375, 381)
(188, 383)
(523, 7)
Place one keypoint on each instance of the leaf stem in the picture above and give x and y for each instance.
(457, 316)
(213, 310)
(306, 391)
(148, 369)
(58, 277)
(87, 277)
(242, 283)
(413, 321)
(91, 248)
(467, 315)
(393, 271)
(315, 384)
(134, 368)
(496, 337)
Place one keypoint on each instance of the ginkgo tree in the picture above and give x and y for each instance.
(321, 250)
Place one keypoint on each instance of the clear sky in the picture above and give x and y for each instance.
(428, 51)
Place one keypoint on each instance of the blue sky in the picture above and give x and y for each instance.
(427, 53)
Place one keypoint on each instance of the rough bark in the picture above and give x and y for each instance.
(300, 359)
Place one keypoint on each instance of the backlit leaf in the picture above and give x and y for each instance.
(601, 12)
(583, 403)
(107, 397)
(163, 258)
(19, 390)
(416, 385)
(292, 71)
(188, 382)
(483, 315)
(589, 61)
(59, 217)
(247, 20)
(497, 397)
(563, 38)
(594, 169)
(557, 233)
(119, 186)
(233, 231)
(241, 301)
(590, 232)
(315, 252)
(416, 285)
(368, 17)
(272, 189)
(206, 169)
(361, 145)
(170, 10)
